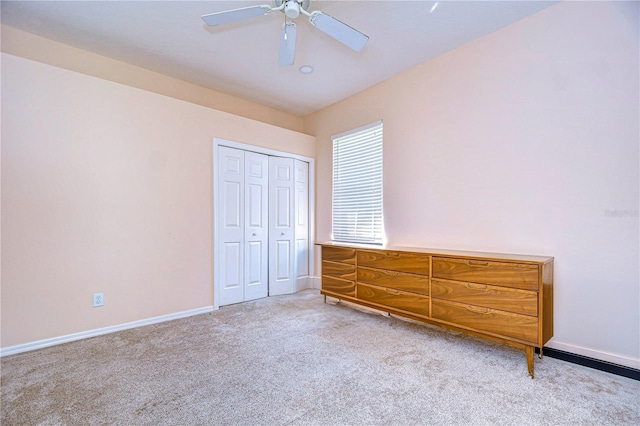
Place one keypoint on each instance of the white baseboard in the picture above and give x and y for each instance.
(302, 283)
(599, 355)
(306, 282)
(315, 282)
(39, 344)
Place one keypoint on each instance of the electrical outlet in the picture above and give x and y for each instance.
(98, 299)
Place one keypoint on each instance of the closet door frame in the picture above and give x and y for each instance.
(217, 142)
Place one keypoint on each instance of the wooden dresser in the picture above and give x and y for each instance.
(501, 297)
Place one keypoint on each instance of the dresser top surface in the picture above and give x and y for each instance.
(444, 253)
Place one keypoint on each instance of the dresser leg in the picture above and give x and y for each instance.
(325, 298)
(540, 354)
(529, 351)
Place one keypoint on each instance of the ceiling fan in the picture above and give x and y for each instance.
(291, 10)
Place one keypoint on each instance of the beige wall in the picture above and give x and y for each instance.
(27, 45)
(522, 141)
(107, 188)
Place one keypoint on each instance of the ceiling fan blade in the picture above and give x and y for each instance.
(233, 15)
(287, 44)
(338, 30)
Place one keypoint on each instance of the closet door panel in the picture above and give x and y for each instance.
(231, 229)
(232, 270)
(281, 225)
(256, 213)
(301, 224)
(283, 264)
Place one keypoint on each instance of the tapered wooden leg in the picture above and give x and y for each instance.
(540, 354)
(529, 351)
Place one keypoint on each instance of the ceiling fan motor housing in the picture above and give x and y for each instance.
(292, 7)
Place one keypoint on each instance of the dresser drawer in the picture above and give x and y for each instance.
(339, 254)
(395, 299)
(502, 298)
(339, 270)
(416, 263)
(521, 327)
(398, 280)
(334, 285)
(516, 275)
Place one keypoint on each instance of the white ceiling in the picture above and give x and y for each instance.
(241, 58)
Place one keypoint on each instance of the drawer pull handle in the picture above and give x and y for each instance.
(391, 291)
(477, 310)
(393, 254)
(477, 286)
(477, 263)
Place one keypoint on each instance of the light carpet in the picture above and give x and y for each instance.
(294, 360)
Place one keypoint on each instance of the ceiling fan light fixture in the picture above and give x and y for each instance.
(292, 9)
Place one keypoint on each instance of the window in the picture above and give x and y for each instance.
(357, 185)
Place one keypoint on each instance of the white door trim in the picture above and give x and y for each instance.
(217, 142)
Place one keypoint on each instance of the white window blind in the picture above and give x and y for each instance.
(357, 185)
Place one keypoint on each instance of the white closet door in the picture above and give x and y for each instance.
(256, 250)
(281, 226)
(231, 224)
(302, 224)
